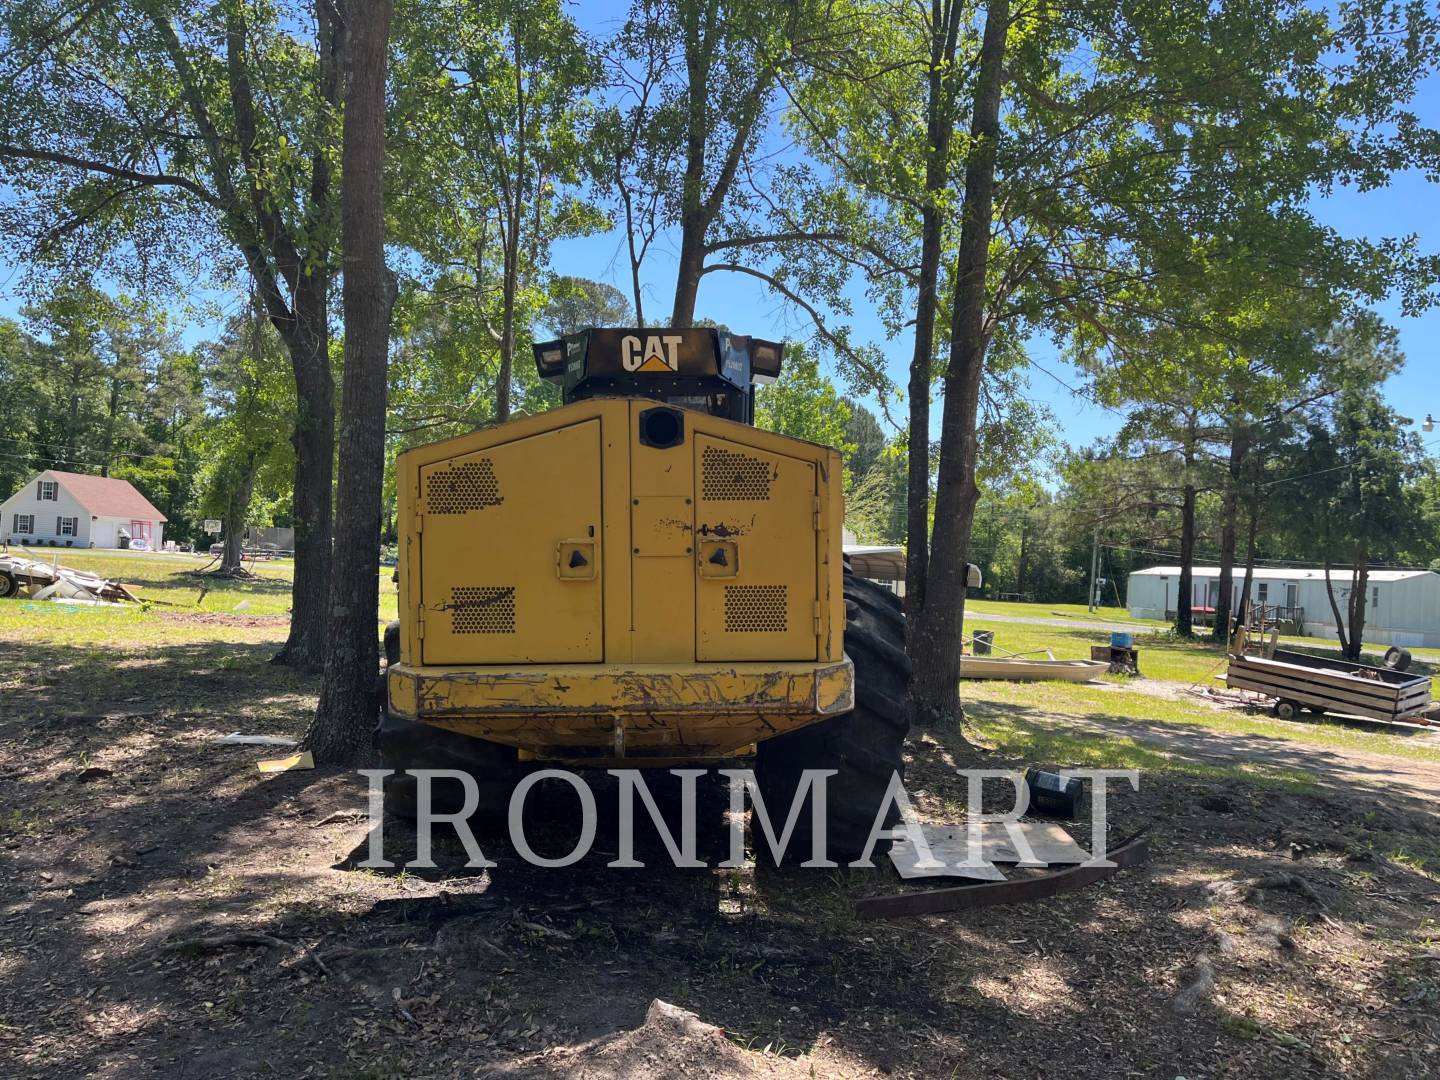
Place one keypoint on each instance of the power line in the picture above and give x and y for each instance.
(79, 449)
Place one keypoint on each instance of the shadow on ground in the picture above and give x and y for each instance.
(127, 829)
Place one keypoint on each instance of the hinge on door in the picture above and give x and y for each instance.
(815, 518)
(420, 625)
(419, 521)
(816, 611)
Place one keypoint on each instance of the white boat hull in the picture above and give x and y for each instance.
(1000, 667)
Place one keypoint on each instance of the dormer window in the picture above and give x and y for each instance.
(49, 491)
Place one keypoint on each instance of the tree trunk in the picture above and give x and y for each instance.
(314, 441)
(112, 412)
(1335, 610)
(940, 127)
(1184, 617)
(1185, 599)
(693, 222)
(1360, 587)
(345, 716)
(1251, 532)
(1230, 510)
(1024, 554)
(692, 264)
(935, 689)
(237, 509)
(307, 340)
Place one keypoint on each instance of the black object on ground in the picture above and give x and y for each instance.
(1053, 794)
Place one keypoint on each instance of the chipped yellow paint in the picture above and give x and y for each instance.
(603, 659)
(571, 710)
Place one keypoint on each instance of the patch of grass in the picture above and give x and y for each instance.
(984, 699)
(1162, 655)
(1026, 740)
(1051, 611)
(178, 595)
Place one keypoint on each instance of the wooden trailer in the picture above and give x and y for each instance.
(1321, 684)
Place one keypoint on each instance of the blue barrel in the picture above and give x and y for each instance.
(1121, 639)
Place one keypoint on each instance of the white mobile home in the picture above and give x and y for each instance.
(63, 509)
(1403, 607)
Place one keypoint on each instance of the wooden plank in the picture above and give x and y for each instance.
(1279, 686)
(1326, 663)
(1336, 679)
(1306, 697)
(1341, 680)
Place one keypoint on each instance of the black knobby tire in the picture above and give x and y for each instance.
(404, 745)
(865, 746)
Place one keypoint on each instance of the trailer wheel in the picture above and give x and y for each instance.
(865, 746)
(1287, 710)
(1396, 658)
(9, 586)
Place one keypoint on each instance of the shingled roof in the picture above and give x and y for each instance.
(104, 496)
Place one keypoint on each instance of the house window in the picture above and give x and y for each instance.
(1262, 592)
(1375, 596)
(49, 491)
(66, 526)
(24, 525)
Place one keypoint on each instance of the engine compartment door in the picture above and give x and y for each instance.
(756, 528)
(510, 560)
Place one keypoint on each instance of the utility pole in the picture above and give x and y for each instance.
(1094, 569)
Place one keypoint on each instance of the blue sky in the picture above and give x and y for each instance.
(1407, 205)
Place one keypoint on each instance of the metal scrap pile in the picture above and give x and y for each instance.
(21, 577)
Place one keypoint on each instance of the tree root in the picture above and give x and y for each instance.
(1245, 888)
(1199, 989)
(210, 942)
(225, 941)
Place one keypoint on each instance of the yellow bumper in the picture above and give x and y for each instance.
(595, 712)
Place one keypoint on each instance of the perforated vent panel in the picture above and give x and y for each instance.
(482, 609)
(470, 485)
(751, 609)
(730, 477)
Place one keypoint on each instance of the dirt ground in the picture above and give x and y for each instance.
(1274, 933)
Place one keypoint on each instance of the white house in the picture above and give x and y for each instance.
(76, 510)
(1403, 607)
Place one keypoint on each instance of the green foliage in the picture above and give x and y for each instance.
(100, 384)
(803, 403)
(577, 303)
(246, 478)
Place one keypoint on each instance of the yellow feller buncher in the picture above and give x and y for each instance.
(641, 578)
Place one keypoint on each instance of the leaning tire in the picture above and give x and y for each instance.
(1396, 658)
(405, 744)
(864, 746)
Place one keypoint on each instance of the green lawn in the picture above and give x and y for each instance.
(1052, 611)
(252, 611)
(1162, 656)
(175, 594)
(993, 702)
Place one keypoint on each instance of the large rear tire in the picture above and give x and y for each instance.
(405, 744)
(865, 746)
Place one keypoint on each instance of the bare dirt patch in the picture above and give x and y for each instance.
(124, 829)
